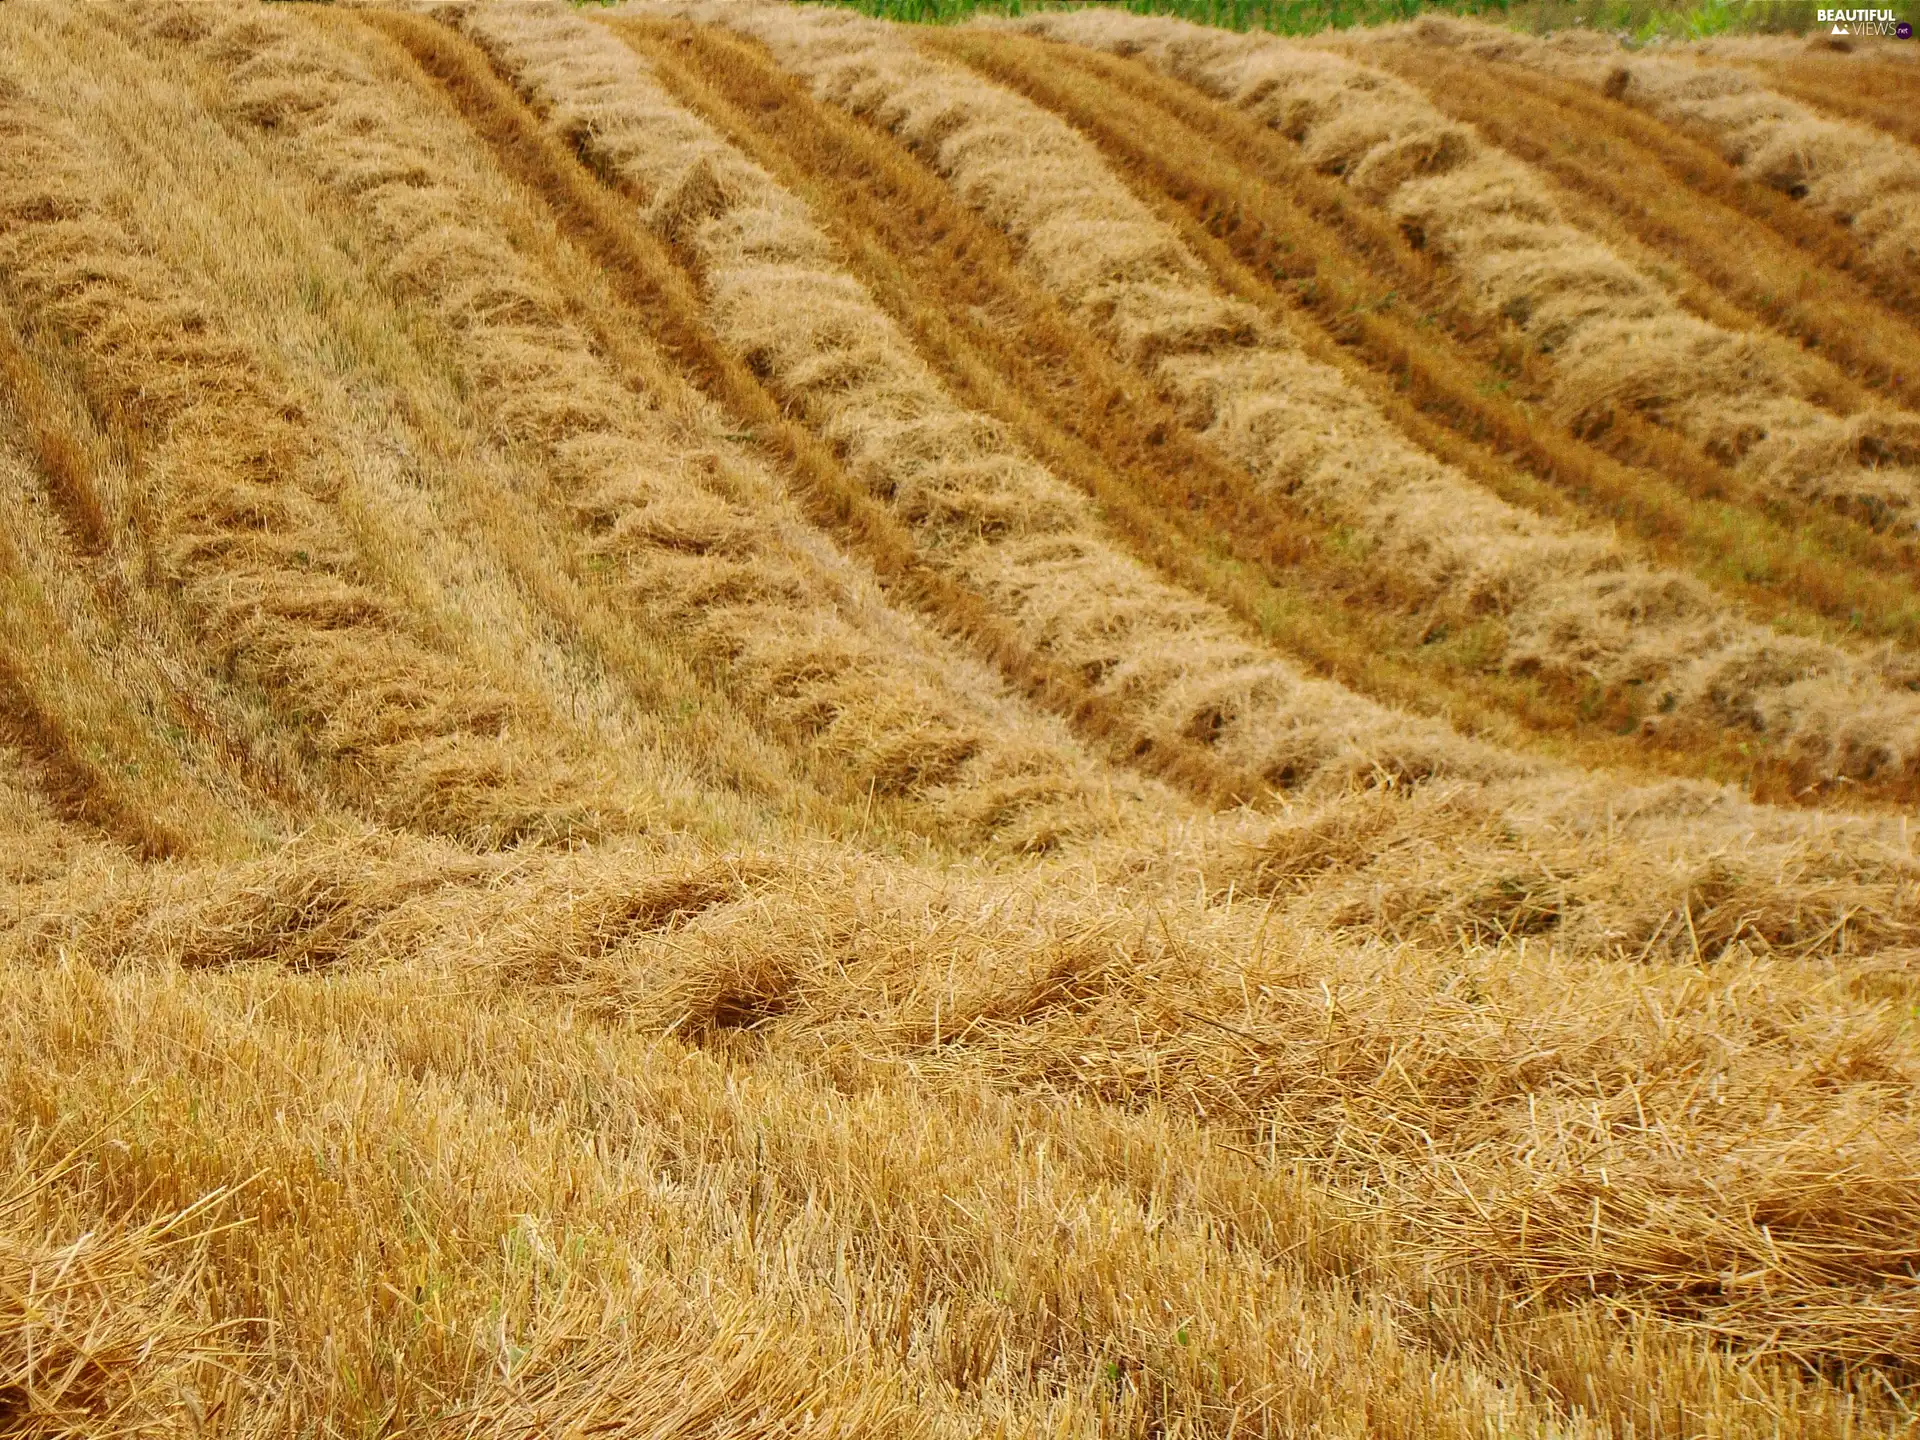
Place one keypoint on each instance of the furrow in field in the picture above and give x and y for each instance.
(1004, 346)
(1621, 346)
(445, 521)
(1840, 190)
(1298, 426)
(66, 779)
(239, 489)
(76, 516)
(1732, 253)
(640, 480)
(1518, 1100)
(972, 519)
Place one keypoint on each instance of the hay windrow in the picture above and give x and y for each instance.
(1174, 666)
(239, 494)
(654, 484)
(1571, 603)
(1619, 341)
(1859, 177)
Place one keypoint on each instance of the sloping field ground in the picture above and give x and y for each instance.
(1647, 648)
(725, 721)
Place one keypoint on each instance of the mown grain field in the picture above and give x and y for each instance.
(721, 720)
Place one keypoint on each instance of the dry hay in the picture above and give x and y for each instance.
(76, 696)
(1516, 1100)
(1620, 342)
(1574, 606)
(1669, 871)
(101, 1334)
(779, 295)
(37, 844)
(1720, 1144)
(238, 498)
(1363, 1067)
(657, 484)
(1865, 180)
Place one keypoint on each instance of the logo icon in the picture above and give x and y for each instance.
(1903, 31)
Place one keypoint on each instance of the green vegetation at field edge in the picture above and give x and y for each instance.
(1637, 19)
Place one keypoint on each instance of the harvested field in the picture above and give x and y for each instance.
(718, 719)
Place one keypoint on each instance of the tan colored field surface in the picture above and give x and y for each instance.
(717, 720)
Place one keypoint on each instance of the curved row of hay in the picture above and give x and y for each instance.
(1753, 860)
(234, 504)
(656, 493)
(1730, 830)
(1356, 294)
(1871, 84)
(1008, 350)
(1570, 601)
(1618, 340)
(74, 701)
(1676, 207)
(1175, 668)
(1866, 180)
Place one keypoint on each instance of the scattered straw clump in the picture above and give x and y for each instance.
(1574, 606)
(357, 900)
(1709, 1122)
(101, 1334)
(1446, 1099)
